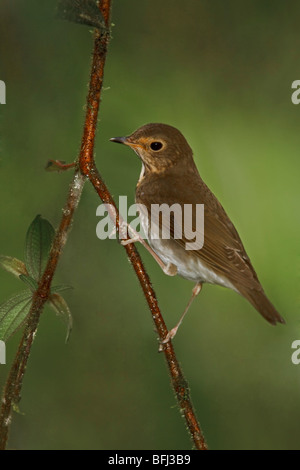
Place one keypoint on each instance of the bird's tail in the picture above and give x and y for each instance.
(262, 304)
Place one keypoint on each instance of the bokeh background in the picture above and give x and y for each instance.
(221, 72)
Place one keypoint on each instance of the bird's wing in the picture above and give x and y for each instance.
(222, 251)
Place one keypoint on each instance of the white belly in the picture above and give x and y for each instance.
(188, 265)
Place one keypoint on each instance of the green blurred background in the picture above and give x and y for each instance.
(221, 72)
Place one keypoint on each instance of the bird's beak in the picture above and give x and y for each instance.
(120, 140)
(127, 141)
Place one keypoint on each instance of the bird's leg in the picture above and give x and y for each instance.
(196, 290)
(169, 269)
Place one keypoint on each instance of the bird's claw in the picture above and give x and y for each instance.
(130, 240)
(170, 335)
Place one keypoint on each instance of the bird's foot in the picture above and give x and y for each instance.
(170, 269)
(170, 335)
(130, 240)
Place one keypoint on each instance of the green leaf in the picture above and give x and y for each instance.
(81, 11)
(13, 265)
(61, 307)
(60, 288)
(13, 313)
(30, 282)
(39, 238)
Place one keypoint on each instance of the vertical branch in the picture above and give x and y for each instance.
(12, 389)
(89, 169)
(13, 386)
(86, 168)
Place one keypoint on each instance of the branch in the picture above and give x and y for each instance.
(86, 168)
(89, 169)
(13, 386)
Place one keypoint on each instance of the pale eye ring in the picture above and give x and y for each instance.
(156, 145)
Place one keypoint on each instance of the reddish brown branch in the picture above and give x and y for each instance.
(87, 168)
(57, 165)
(178, 381)
(12, 390)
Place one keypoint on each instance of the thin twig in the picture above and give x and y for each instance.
(87, 168)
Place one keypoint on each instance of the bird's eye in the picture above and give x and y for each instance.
(156, 146)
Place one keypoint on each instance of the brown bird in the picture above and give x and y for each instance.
(169, 176)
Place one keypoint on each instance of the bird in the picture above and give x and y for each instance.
(170, 176)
